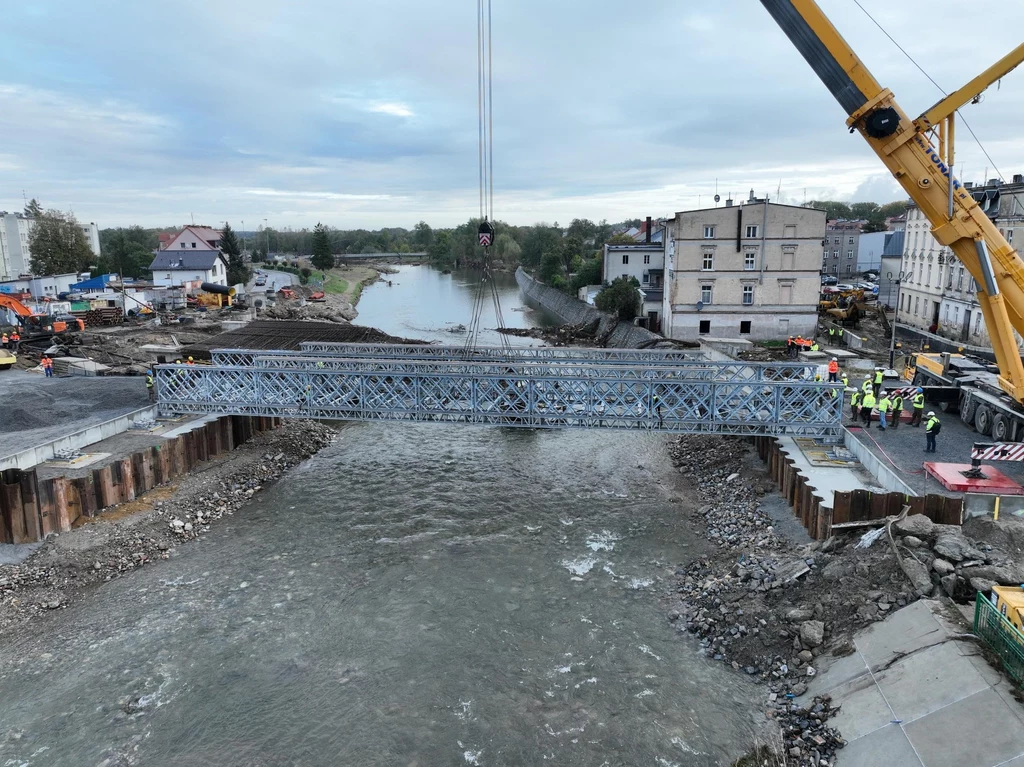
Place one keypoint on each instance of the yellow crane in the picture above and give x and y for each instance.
(920, 155)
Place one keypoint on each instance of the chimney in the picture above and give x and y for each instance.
(728, 202)
(751, 198)
(648, 240)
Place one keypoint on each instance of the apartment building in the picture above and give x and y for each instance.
(840, 247)
(15, 253)
(750, 271)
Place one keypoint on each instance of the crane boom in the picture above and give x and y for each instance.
(925, 171)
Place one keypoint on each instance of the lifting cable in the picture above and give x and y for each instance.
(485, 152)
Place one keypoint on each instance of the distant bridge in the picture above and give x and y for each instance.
(380, 256)
(538, 387)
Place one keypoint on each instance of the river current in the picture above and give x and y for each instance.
(415, 594)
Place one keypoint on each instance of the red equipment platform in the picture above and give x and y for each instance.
(951, 476)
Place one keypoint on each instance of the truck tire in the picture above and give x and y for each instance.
(983, 420)
(1002, 428)
(968, 410)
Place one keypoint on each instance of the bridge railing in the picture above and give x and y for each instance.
(346, 355)
(526, 396)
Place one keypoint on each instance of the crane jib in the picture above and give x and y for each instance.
(933, 155)
(817, 54)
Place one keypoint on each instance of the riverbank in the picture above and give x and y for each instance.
(128, 537)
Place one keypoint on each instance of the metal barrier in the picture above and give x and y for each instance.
(543, 395)
(1001, 636)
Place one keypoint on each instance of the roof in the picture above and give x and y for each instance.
(894, 244)
(185, 260)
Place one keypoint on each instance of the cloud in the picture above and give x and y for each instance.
(390, 108)
(365, 114)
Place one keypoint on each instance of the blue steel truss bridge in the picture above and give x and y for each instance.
(668, 391)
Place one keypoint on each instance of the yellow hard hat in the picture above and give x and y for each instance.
(190, 359)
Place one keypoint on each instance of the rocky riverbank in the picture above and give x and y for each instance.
(151, 528)
(770, 605)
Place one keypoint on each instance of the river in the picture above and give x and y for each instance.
(421, 302)
(415, 594)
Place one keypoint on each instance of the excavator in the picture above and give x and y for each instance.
(920, 155)
(35, 326)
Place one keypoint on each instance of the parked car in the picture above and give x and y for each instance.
(828, 279)
(845, 286)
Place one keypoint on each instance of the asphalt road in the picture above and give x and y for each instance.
(275, 281)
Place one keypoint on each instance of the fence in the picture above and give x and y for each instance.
(1001, 636)
(31, 509)
(865, 506)
(808, 504)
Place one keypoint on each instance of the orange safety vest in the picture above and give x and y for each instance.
(47, 363)
(3, 338)
(833, 367)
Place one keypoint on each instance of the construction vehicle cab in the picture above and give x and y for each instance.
(1009, 601)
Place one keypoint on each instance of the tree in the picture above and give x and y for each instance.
(507, 249)
(440, 250)
(621, 239)
(591, 272)
(33, 208)
(583, 228)
(128, 252)
(422, 235)
(572, 249)
(551, 266)
(58, 245)
(238, 271)
(322, 258)
(833, 208)
(538, 240)
(621, 298)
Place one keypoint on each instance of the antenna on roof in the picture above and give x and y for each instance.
(193, 218)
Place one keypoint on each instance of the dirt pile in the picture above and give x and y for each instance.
(149, 529)
(293, 310)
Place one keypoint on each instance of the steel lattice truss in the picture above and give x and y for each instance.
(546, 393)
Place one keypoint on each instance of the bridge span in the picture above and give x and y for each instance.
(534, 387)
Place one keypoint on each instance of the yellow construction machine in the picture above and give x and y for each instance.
(920, 155)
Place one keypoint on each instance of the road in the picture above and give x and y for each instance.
(275, 281)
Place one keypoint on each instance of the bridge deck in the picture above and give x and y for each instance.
(529, 390)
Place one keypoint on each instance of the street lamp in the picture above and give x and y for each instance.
(243, 235)
(266, 233)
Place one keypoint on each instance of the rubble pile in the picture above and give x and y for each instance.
(768, 606)
(292, 310)
(941, 559)
(563, 335)
(52, 576)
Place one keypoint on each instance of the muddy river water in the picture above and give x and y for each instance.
(415, 594)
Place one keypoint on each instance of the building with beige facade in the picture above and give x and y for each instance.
(743, 271)
(938, 295)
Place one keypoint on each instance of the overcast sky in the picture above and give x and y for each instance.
(363, 114)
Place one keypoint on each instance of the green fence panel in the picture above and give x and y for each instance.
(1000, 635)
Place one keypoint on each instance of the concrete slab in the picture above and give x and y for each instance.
(904, 631)
(980, 731)
(863, 711)
(838, 672)
(929, 679)
(887, 747)
(829, 480)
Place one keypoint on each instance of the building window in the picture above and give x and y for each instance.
(956, 316)
(705, 294)
(928, 282)
(947, 313)
(835, 254)
(749, 259)
(647, 258)
(709, 232)
(748, 295)
(705, 327)
(625, 259)
(960, 279)
(836, 240)
(949, 278)
(1009, 236)
(917, 306)
(745, 327)
(849, 254)
(977, 323)
(709, 262)
(973, 286)
(647, 278)
(752, 231)
(851, 241)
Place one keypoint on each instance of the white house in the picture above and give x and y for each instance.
(173, 268)
(644, 262)
(193, 238)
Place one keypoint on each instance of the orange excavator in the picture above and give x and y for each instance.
(36, 325)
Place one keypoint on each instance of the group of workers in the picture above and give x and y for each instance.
(10, 342)
(797, 344)
(889, 404)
